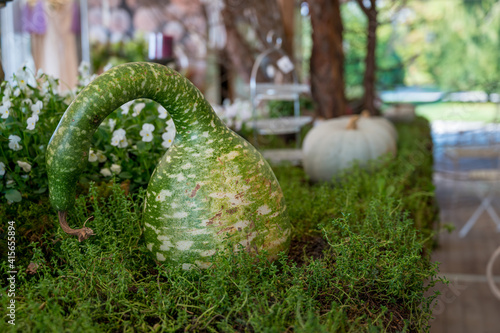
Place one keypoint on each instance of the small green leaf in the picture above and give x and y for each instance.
(13, 195)
(40, 190)
(125, 175)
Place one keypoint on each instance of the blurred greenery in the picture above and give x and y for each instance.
(485, 112)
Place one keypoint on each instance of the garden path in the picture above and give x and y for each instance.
(466, 304)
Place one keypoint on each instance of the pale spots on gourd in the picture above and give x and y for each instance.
(201, 231)
(187, 166)
(179, 215)
(246, 242)
(230, 156)
(152, 228)
(180, 177)
(160, 256)
(264, 210)
(162, 195)
(184, 245)
(241, 225)
(191, 176)
(194, 137)
(168, 159)
(202, 264)
(166, 245)
(205, 134)
(207, 253)
(209, 152)
(238, 146)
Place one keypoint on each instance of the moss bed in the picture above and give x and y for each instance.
(359, 261)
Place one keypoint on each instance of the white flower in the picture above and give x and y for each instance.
(14, 142)
(105, 172)
(6, 100)
(2, 169)
(7, 91)
(163, 113)
(39, 73)
(119, 138)
(126, 107)
(101, 157)
(168, 138)
(44, 88)
(32, 122)
(17, 91)
(25, 166)
(92, 156)
(27, 101)
(37, 107)
(147, 132)
(112, 124)
(137, 109)
(84, 68)
(115, 168)
(113, 157)
(4, 111)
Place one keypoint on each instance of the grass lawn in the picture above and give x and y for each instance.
(486, 112)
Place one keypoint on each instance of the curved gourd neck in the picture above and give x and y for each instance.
(68, 148)
(187, 106)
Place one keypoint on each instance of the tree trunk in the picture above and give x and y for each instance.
(327, 58)
(287, 9)
(237, 49)
(369, 78)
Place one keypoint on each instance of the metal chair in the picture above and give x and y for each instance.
(483, 181)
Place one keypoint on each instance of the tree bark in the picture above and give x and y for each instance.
(327, 58)
(287, 9)
(369, 79)
(237, 49)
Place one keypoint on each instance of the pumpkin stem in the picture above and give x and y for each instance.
(352, 123)
(366, 114)
(82, 233)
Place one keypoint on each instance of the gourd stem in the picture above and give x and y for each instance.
(82, 233)
(352, 123)
(366, 114)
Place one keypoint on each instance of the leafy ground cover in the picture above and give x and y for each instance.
(359, 260)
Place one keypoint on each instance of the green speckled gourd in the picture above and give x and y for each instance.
(209, 185)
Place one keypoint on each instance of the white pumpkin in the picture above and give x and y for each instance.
(333, 145)
(381, 121)
(366, 117)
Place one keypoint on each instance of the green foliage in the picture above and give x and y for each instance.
(118, 53)
(279, 108)
(369, 277)
(452, 46)
(390, 66)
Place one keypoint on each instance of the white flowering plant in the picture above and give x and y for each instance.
(30, 110)
(127, 145)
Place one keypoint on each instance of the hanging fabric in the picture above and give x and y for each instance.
(34, 22)
(60, 51)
